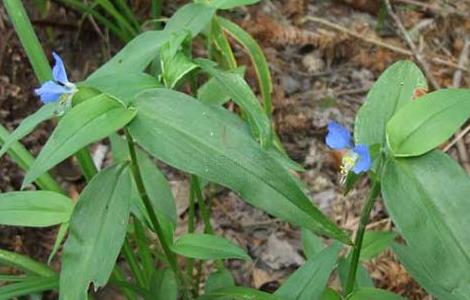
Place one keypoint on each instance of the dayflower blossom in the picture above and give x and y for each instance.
(60, 89)
(356, 158)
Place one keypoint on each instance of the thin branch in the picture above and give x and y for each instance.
(456, 82)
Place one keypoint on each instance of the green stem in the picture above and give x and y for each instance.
(191, 226)
(156, 11)
(144, 250)
(28, 39)
(205, 213)
(86, 163)
(118, 276)
(133, 264)
(171, 257)
(202, 205)
(364, 219)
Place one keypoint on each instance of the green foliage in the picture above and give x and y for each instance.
(28, 124)
(427, 122)
(425, 193)
(427, 198)
(34, 209)
(312, 244)
(373, 294)
(257, 57)
(219, 279)
(207, 247)
(310, 280)
(97, 230)
(239, 293)
(229, 4)
(86, 123)
(240, 92)
(393, 89)
(375, 242)
(214, 149)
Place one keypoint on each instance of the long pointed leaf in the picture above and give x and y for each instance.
(190, 136)
(34, 209)
(84, 124)
(428, 122)
(310, 280)
(427, 198)
(393, 89)
(28, 124)
(241, 94)
(97, 230)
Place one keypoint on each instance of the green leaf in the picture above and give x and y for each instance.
(163, 285)
(61, 234)
(84, 124)
(257, 57)
(174, 63)
(29, 286)
(375, 242)
(155, 182)
(218, 37)
(239, 293)
(219, 279)
(28, 124)
(198, 139)
(427, 122)
(157, 187)
(124, 86)
(393, 89)
(330, 294)
(97, 230)
(229, 4)
(427, 199)
(192, 17)
(135, 56)
(312, 244)
(374, 294)
(213, 92)
(363, 279)
(34, 209)
(241, 93)
(25, 263)
(207, 247)
(310, 280)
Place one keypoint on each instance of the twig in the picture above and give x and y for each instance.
(457, 137)
(380, 43)
(456, 82)
(416, 53)
(434, 8)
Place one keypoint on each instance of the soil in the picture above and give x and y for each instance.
(320, 72)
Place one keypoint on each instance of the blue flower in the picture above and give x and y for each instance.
(356, 158)
(60, 88)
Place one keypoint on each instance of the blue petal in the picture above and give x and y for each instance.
(364, 161)
(338, 137)
(51, 91)
(58, 72)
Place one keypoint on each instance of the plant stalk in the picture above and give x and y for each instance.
(364, 219)
(171, 257)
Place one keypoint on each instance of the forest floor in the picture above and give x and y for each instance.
(324, 56)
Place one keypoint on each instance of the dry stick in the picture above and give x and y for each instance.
(380, 43)
(456, 81)
(434, 8)
(416, 53)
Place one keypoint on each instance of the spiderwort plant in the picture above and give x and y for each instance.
(131, 197)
